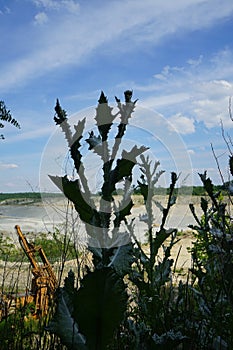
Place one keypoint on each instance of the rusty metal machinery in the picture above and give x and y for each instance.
(44, 282)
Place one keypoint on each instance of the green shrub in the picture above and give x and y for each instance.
(212, 271)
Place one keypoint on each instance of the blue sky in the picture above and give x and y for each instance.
(176, 56)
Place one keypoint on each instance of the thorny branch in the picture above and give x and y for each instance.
(230, 109)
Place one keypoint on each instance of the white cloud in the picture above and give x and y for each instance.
(195, 62)
(163, 18)
(9, 185)
(32, 134)
(70, 5)
(157, 102)
(182, 124)
(211, 112)
(5, 11)
(111, 25)
(200, 90)
(40, 18)
(4, 166)
(48, 4)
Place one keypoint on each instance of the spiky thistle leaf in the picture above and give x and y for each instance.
(63, 323)
(99, 307)
(72, 191)
(122, 213)
(104, 117)
(122, 259)
(231, 164)
(60, 115)
(60, 119)
(93, 141)
(123, 169)
(74, 148)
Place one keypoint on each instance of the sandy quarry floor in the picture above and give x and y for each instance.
(180, 217)
(17, 276)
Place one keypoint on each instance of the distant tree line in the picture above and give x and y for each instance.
(195, 190)
(35, 196)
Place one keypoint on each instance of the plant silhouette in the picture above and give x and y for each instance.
(98, 306)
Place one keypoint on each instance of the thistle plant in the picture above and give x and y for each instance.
(91, 313)
(108, 216)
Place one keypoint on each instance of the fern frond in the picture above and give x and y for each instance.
(6, 116)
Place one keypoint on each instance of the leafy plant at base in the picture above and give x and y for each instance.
(102, 310)
(104, 286)
(53, 247)
(8, 250)
(212, 254)
(63, 322)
